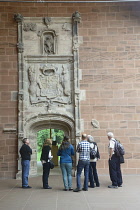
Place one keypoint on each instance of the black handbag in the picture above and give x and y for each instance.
(51, 164)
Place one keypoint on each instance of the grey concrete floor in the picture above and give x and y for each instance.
(13, 197)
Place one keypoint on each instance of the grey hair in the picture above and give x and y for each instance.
(110, 134)
(90, 138)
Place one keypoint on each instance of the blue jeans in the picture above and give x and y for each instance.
(25, 172)
(66, 169)
(82, 165)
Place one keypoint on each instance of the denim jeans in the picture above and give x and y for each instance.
(25, 172)
(93, 176)
(66, 169)
(82, 165)
(46, 171)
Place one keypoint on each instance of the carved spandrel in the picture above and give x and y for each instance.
(48, 84)
(29, 27)
(66, 27)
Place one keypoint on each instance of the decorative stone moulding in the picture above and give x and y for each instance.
(10, 130)
(95, 124)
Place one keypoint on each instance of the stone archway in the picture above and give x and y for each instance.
(37, 123)
(49, 90)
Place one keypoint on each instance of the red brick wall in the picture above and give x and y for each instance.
(109, 59)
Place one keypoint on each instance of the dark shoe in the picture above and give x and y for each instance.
(84, 189)
(48, 187)
(97, 185)
(120, 185)
(112, 186)
(91, 186)
(70, 189)
(27, 187)
(65, 189)
(76, 190)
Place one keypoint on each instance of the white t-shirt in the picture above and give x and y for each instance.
(111, 145)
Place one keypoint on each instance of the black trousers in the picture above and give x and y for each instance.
(93, 176)
(115, 171)
(46, 171)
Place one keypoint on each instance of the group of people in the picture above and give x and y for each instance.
(85, 162)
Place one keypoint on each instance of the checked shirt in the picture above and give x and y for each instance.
(83, 148)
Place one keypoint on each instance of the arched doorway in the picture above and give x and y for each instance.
(37, 123)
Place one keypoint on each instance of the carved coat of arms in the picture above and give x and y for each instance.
(47, 85)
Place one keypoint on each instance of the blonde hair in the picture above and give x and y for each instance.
(47, 142)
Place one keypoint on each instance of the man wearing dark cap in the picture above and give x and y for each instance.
(83, 148)
(25, 152)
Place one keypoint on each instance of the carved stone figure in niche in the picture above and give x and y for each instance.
(32, 78)
(66, 81)
(49, 44)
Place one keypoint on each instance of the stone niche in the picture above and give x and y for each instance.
(49, 76)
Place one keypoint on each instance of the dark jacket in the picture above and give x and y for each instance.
(45, 153)
(25, 152)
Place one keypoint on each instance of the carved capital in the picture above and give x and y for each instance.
(20, 47)
(20, 135)
(20, 96)
(76, 17)
(18, 18)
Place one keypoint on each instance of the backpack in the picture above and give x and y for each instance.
(119, 149)
(93, 152)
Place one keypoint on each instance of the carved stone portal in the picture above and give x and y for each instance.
(48, 78)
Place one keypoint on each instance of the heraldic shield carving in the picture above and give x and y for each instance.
(49, 83)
